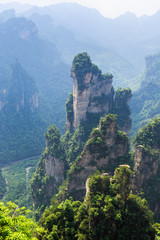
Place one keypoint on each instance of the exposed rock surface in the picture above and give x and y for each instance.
(55, 168)
(147, 164)
(23, 93)
(106, 149)
(93, 95)
(86, 101)
(50, 172)
(146, 176)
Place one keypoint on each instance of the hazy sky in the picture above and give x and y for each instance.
(109, 8)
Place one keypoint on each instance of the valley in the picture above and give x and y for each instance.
(79, 124)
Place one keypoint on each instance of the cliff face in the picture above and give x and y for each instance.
(93, 96)
(23, 93)
(147, 164)
(146, 179)
(90, 100)
(92, 91)
(50, 172)
(121, 108)
(106, 149)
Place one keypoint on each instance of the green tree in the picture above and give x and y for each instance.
(108, 212)
(14, 225)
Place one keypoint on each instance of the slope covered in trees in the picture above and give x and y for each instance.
(21, 131)
(147, 164)
(22, 125)
(145, 103)
(108, 212)
(95, 98)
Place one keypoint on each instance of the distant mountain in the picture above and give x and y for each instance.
(21, 123)
(69, 44)
(19, 39)
(15, 5)
(126, 34)
(30, 99)
(145, 103)
(44, 41)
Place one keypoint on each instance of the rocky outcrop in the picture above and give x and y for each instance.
(50, 172)
(23, 93)
(94, 97)
(147, 164)
(146, 176)
(92, 91)
(90, 100)
(54, 167)
(106, 149)
(121, 108)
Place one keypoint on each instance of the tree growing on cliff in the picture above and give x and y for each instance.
(109, 212)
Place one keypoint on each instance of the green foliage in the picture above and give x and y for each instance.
(69, 109)
(121, 107)
(2, 185)
(54, 146)
(108, 212)
(81, 65)
(95, 141)
(59, 221)
(15, 225)
(157, 229)
(149, 135)
(145, 103)
(42, 186)
(21, 123)
(105, 122)
(18, 177)
(148, 140)
(122, 137)
(74, 142)
(121, 181)
(24, 136)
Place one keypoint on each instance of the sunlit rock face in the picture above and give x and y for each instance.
(106, 149)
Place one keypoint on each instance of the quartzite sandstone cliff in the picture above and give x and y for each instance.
(106, 149)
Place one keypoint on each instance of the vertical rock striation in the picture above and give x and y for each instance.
(106, 149)
(92, 90)
(147, 164)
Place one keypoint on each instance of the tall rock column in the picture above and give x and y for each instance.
(105, 150)
(92, 90)
(50, 172)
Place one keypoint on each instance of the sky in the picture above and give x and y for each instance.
(108, 8)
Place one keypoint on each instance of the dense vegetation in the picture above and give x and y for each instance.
(121, 107)
(2, 185)
(70, 146)
(21, 133)
(81, 65)
(20, 119)
(18, 177)
(148, 140)
(43, 186)
(14, 223)
(69, 109)
(108, 212)
(145, 103)
(149, 135)
(109, 209)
